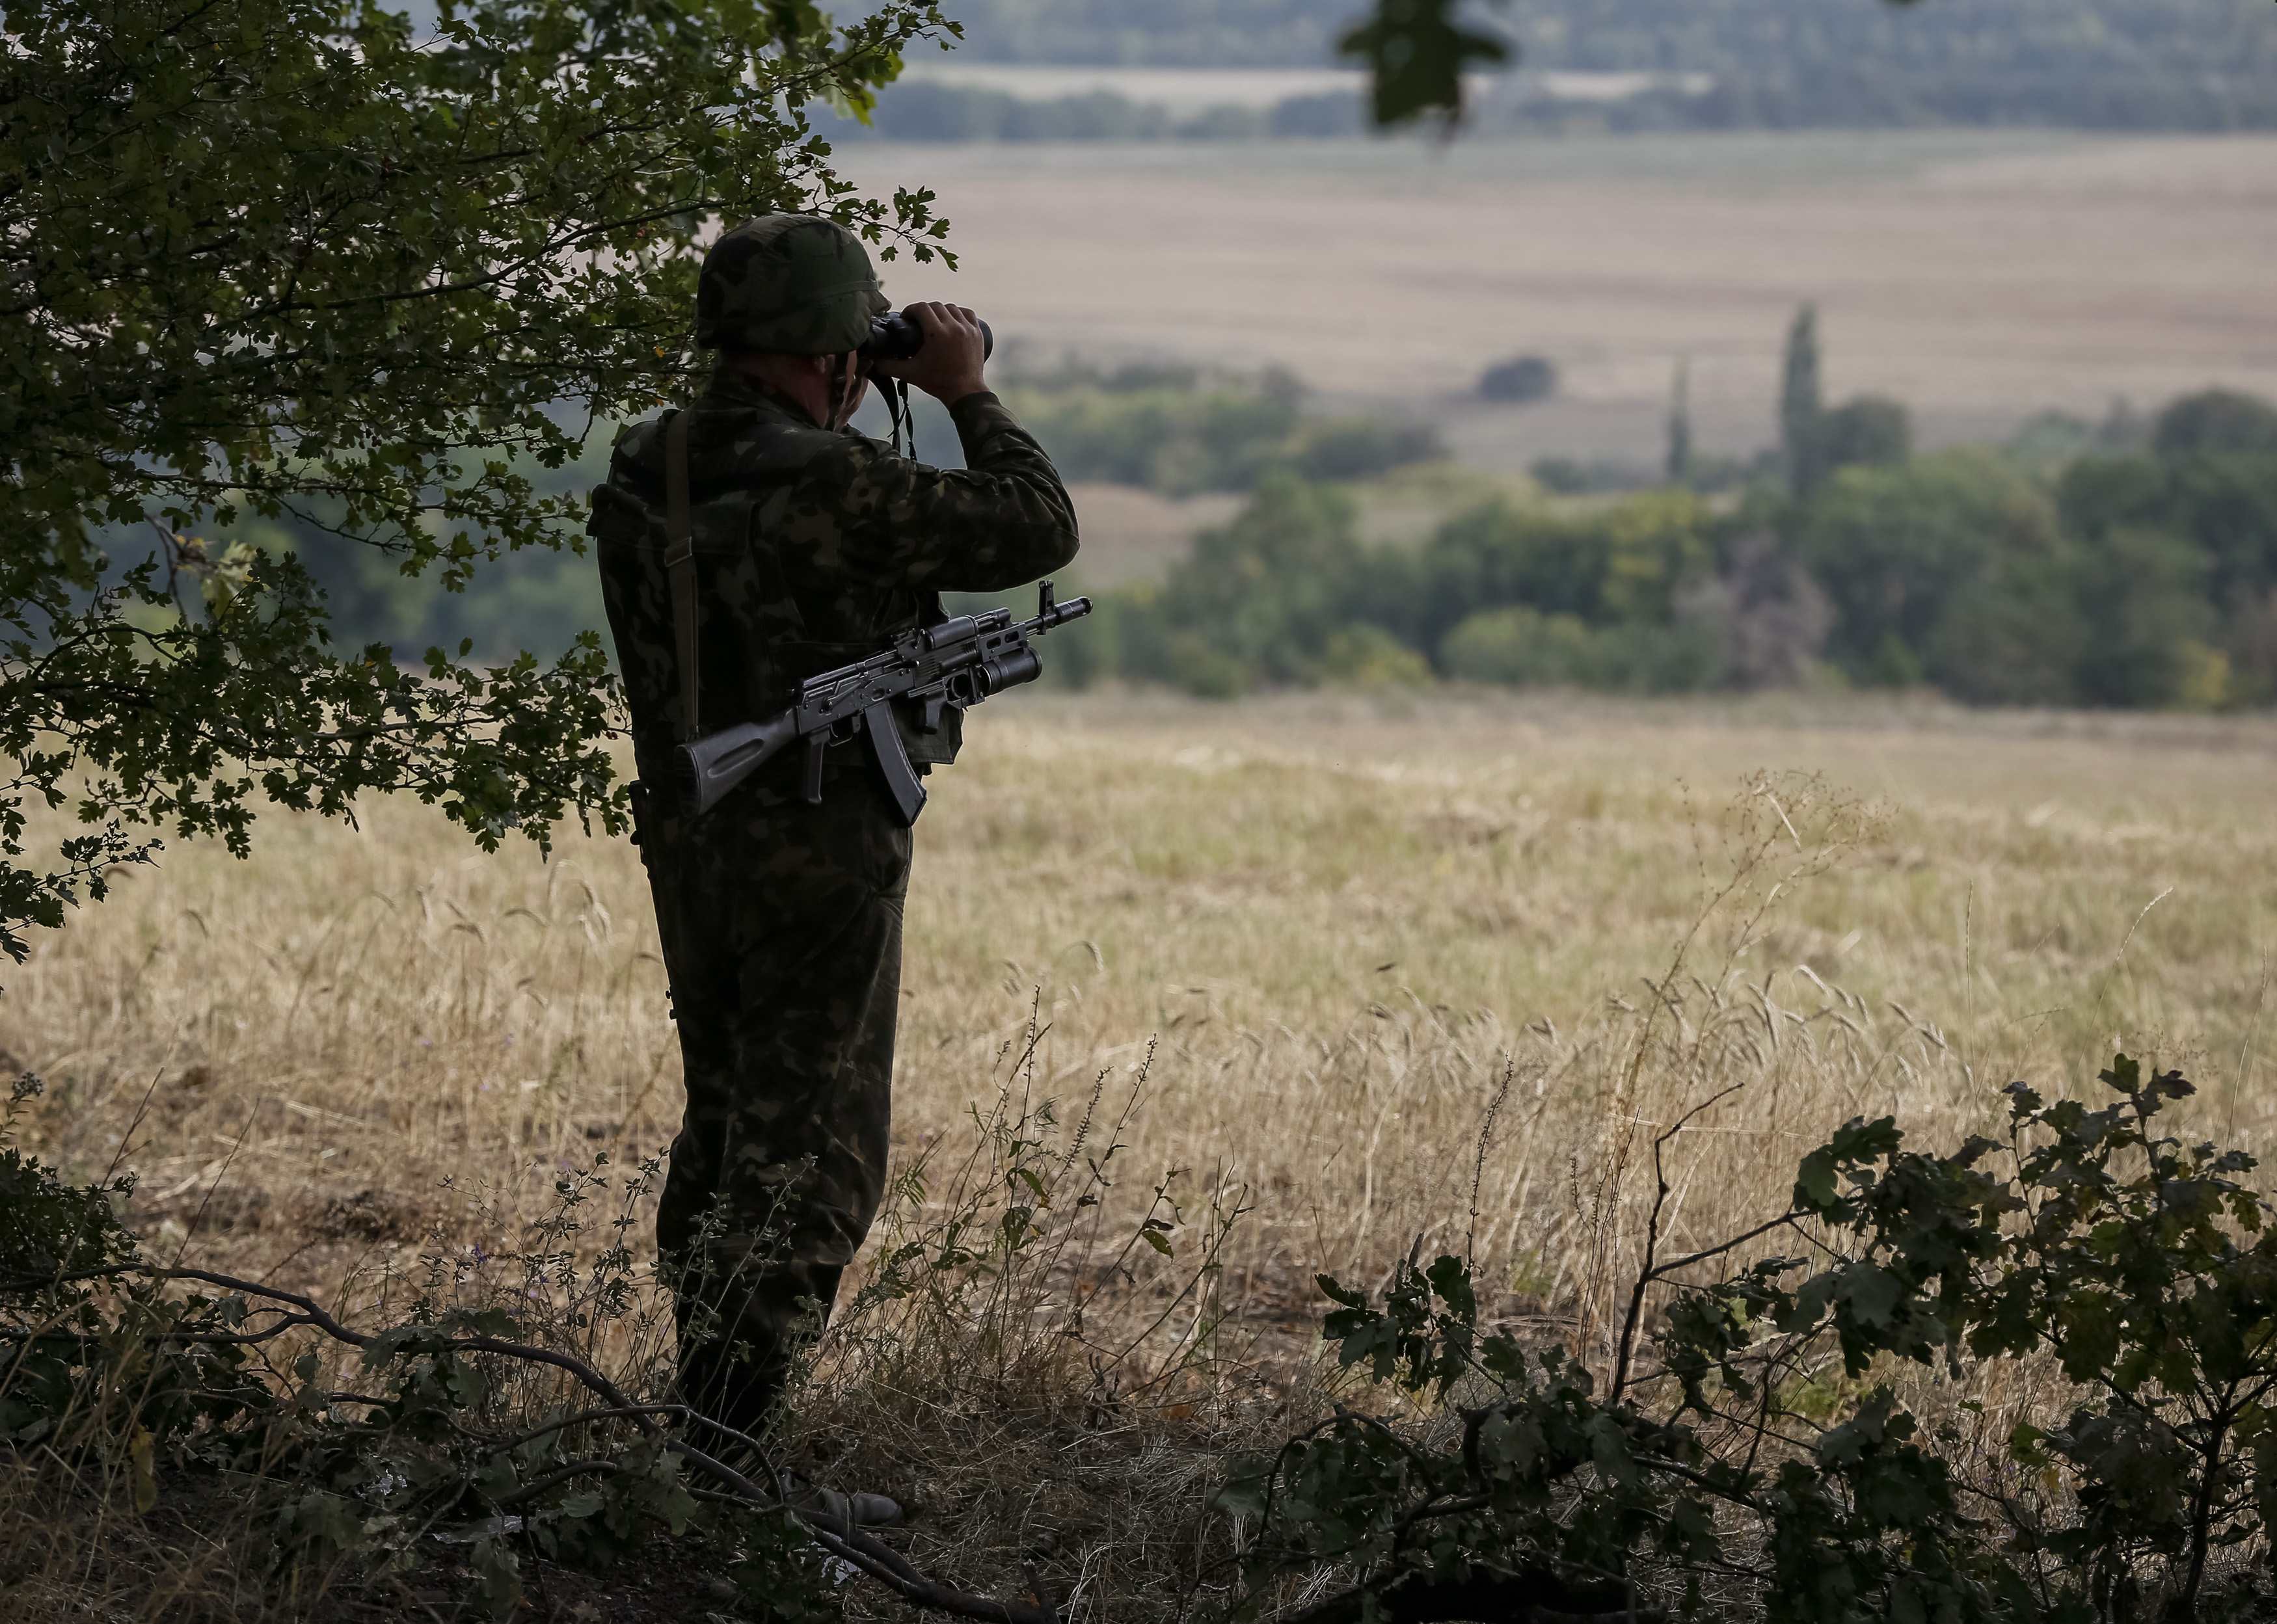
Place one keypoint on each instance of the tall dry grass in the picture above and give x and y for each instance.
(1396, 974)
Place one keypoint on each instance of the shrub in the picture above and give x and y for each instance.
(1521, 379)
(1368, 657)
(1570, 477)
(1502, 1478)
(1158, 427)
(2050, 436)
(1870, 431)
(1522, 648)
(1563, 476)
(1354, 448)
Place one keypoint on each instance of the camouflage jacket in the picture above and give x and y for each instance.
(812, 546)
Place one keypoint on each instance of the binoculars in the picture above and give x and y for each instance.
(895, 336)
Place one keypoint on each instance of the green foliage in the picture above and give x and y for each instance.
(2200, 522)
(1171, 431)
(1416, 53)
(1869, 431)
(1523, 647)
(1177, 440)
(2136, 1262)
(1625, 562)
(291, 260)
(1571, 476)
(1260, 599)
(1895, 548)
(1360, 448)
(2141, 593)
(2143, 580)
(1286, 594)
(538, 599)
(2016, 637)
(2131, 580)
(2217, 421)
(48, 1227)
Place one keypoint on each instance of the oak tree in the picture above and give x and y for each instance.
(310, 258)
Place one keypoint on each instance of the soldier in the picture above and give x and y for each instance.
(805, 546)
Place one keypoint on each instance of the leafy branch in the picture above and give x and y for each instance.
(2139, 1263)
(261, 258)
(72, 1359)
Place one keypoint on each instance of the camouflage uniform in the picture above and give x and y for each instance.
(781, 921)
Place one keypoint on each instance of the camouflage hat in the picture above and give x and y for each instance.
(794, 284)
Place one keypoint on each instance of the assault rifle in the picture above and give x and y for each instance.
(960, 661)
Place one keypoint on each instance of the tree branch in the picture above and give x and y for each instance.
(872, 1556)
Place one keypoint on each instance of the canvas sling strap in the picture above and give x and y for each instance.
(680, 565)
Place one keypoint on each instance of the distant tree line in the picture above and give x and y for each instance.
(2131, 562)
(2136, 64)
(1179, 432)
(2124, 564)
(930, 110)
(2185, 65)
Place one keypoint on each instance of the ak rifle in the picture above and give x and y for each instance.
(959, 662)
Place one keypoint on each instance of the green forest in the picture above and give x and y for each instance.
(2182, 65)
(2136, 576)
(2124, 563)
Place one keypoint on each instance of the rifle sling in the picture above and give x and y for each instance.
(680, 565)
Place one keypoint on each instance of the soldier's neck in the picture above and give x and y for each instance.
(794, 380)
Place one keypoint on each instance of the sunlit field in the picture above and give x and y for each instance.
(1412, 972)
(1339, 923)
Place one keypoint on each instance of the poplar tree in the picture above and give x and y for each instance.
(1679, 423)
(1801, 403)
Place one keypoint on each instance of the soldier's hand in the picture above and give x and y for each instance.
(948, 367)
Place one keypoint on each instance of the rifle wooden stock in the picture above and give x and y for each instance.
(714, 764)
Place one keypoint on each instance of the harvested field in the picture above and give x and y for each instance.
(1980, 277)
(1337, 919)
(1399, 967)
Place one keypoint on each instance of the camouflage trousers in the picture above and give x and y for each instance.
(781, 928)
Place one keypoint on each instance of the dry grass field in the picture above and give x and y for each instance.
(1406, 968)
(1979, 275)
(1338, 920)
